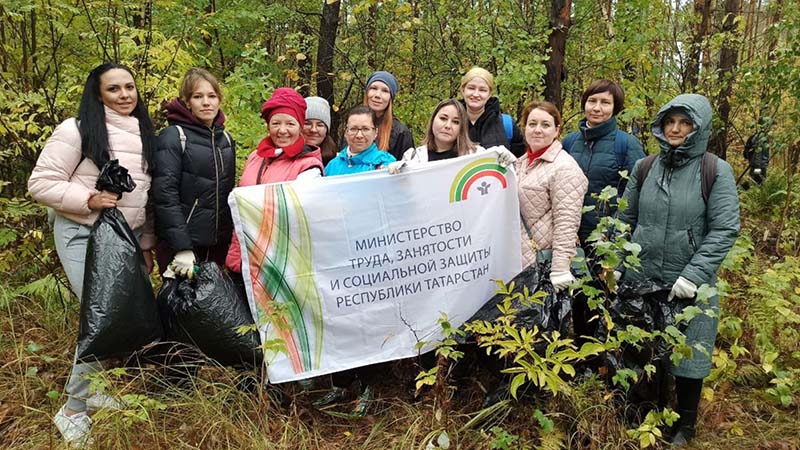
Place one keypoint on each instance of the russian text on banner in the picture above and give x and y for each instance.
(353, 270)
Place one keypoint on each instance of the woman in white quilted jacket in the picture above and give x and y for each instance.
(551, 187)
(112, 124)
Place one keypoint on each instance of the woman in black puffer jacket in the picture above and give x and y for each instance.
(194, 172)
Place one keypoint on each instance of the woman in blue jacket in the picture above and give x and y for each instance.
(361, 154)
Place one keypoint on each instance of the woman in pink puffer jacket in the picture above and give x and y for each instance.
(112, 124)
(551, 187)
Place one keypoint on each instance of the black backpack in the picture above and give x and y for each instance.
(708, 170)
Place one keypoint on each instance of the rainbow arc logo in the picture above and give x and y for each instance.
(472, 172)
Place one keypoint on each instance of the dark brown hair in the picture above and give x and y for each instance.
(463, 144)
(609, 86)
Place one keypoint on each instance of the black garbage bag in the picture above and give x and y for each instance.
(553, 314)
(207, 312)
(644, 305)
(118, 314)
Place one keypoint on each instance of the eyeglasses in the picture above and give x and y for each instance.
(353, 131)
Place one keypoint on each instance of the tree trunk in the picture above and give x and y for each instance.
(325, 50)
(304, 66)
(728, 57)
(691, 74)
(557, 41)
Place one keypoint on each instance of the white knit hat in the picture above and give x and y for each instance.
(318, 108)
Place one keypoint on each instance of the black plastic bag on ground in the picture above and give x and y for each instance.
(207, 312)
(643, 305)
(118, 314)
(553, 314)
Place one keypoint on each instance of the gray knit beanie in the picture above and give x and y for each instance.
(319, 109)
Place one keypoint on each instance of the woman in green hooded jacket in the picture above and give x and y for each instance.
(684, 235)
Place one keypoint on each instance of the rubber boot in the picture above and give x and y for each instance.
(687, 391)
(684, 429)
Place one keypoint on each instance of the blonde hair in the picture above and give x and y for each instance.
(477, 72)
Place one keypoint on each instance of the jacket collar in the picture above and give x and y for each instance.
(552, 152)
(370, 156)
(595, 133)
(127, 123)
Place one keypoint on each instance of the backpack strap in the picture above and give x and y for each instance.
(708, 172)
(508, 126)
(182, 136)
(621, 140)
(228, 138)
(642, 170)
(569, 141)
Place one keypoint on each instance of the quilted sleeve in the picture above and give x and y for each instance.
(568, 188)
(51, 182)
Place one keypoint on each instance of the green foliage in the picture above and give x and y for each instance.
(648, 433)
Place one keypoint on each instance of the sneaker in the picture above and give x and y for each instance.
(366, 397)
(75, 429)
(335, 395)
(102, 401)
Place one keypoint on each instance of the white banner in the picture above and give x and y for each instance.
(353, 270)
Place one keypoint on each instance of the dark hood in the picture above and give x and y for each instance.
(698, 109)
(177, 112)
(491, 110)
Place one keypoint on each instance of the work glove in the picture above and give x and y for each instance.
(561, 280)
(183, 264)
(394, 167)
(504, 158)
(682, 288)
(168, 274)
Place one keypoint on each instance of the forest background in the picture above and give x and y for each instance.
(744, 55)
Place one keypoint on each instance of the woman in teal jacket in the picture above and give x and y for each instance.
(684, 237)
(601, 150)
(361, 153)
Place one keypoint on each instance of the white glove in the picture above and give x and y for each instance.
(617, 275)
(394, 167)
(183, 263)
(504, 158)
(682, 288)
(561, 280)
(168, 274)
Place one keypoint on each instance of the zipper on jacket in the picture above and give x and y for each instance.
(691, 239)
(216, 186)
(191, 211)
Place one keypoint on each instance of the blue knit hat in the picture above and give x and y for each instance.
(386, 78)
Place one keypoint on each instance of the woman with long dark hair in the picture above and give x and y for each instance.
(447, 138)
(112, 123)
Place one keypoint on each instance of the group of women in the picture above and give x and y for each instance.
(187, 172)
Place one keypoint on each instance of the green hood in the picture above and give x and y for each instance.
(698, 109)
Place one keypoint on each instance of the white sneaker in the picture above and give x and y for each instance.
(102, 401)
(76, 428)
